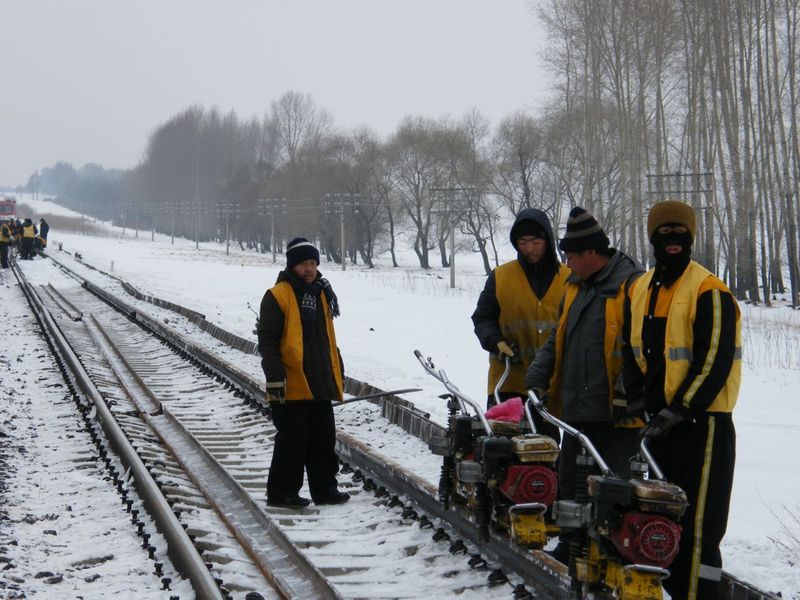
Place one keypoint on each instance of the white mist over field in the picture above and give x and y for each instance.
(388, 313)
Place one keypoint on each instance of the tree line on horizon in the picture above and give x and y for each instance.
(652, 100)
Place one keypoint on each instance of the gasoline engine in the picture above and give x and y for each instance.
(623, 534)
(502, 473)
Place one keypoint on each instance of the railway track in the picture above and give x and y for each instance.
(197, 427)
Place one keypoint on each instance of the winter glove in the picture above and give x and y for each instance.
(542, 395)
(627, 414)
(508, 349)
(664, 421)
(276, 391)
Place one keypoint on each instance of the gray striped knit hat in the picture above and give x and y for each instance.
(583, 233)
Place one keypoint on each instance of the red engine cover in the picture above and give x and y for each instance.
(530, 483)
(647, 539)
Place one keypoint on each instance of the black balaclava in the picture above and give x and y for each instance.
(672, 264)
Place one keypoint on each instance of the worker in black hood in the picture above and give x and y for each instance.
(518, 307)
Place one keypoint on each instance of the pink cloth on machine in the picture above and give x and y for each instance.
(510, 410)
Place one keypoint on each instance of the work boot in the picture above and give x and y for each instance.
(334, 497)
(291, 502)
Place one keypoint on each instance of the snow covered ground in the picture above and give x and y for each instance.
(387, 313)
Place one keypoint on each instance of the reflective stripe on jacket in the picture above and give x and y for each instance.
(291, 347)
(524, 319)
(679, 334)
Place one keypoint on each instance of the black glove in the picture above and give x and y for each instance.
(627, 413)
(276, 390)
(664, 421)
(542, 394)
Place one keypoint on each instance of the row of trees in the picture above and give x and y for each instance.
(704, 91)
(653, 100)
(206, 175)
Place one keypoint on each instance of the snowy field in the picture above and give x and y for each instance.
(387, 313)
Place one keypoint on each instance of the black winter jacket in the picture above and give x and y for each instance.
(316, 362)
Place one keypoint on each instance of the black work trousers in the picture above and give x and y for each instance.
(699, 457)
(306, 440)
(4, 255)
(27, 251)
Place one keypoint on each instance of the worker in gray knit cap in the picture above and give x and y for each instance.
(578, 372)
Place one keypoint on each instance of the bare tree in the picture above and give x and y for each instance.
(416, 168)
(299, 123)
(518, 149)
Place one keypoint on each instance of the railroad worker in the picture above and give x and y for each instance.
(41, 239)
(5, 239)
(16, 234)
(304, 374)
(683, 359)
(29, 232)
(578, 372)
(518, 307)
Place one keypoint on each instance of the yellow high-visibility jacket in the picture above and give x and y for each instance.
(524, 319)
(678, 342)
(291, 345)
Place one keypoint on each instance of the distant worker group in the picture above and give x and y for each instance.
(24, 236)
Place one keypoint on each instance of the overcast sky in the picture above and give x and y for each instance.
(89, 80)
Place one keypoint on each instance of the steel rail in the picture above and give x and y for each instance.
(539, 571)
(285, 567)
(64, 304)
(180, 549)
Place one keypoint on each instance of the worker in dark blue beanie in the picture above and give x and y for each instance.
(300, 249)
(304, 373)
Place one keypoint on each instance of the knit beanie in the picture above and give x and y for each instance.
(670, 211)
(583, 233)
(300, 249)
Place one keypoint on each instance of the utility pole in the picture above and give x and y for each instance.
(338, 201)
(268, 208)
(196, 207)
(227, 210)
(450, 195)
(224, 210)
(173, 209)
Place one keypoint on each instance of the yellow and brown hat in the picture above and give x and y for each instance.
(670, 211)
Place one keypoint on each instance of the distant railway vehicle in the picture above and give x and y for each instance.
(8, 208)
